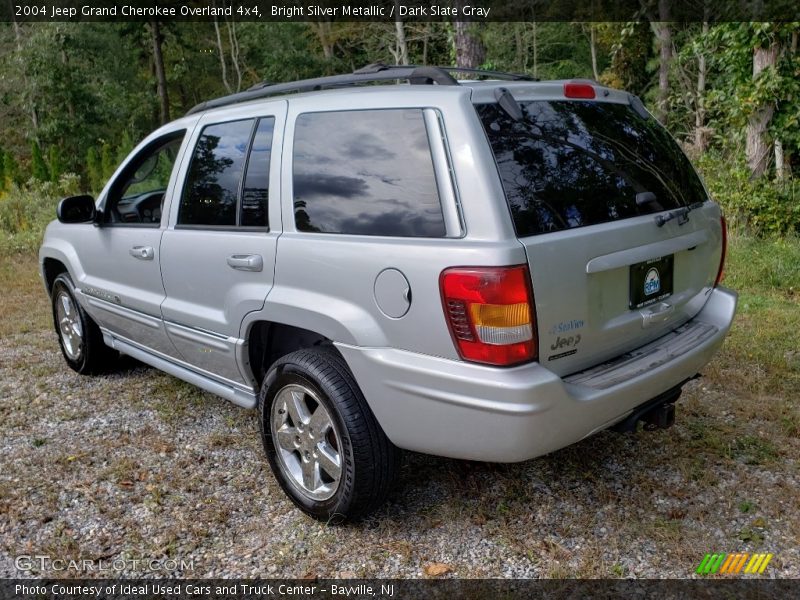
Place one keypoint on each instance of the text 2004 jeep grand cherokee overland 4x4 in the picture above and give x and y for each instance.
(488, 270)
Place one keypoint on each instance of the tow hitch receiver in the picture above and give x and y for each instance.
(660, 417)
(658, 413)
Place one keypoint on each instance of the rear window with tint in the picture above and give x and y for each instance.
(570, 164)
(365, 172)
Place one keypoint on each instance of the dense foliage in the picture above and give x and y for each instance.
(76, 97)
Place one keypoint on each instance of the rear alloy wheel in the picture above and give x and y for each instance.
(79, 337)
(325, 447)
(307, 443)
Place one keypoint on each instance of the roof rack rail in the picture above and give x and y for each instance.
(372, 73)
(377, 67)
(414, 74)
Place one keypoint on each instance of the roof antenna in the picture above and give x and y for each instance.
(508, 104)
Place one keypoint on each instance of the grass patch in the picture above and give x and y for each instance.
(752, 450)
(26, 306)
(761, 355)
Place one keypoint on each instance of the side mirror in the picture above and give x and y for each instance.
(76, 209)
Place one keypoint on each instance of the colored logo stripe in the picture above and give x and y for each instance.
(758, 563)
(733, 563)
(710, 564)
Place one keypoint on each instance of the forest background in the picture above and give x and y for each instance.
(75, 98)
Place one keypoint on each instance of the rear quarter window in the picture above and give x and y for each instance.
(365, 172)
(570, 164)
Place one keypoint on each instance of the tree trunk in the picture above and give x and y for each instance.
(425, 38)
(757, 145)
(70, 104)
(519, 50)
(400, 35)
(470, 51)
(780, 161)
(34, 113)
(535, 51)
(161, 77)
(593, 50)
(323, 31)
(222, 57)
(234, 42)
(664, 36)
(787, 155)
(700, 129)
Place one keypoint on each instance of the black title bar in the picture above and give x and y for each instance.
(406, 10)
(392, 589)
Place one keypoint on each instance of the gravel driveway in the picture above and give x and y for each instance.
(137, 465)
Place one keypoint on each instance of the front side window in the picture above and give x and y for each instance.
(365, 172)
(137, 196)
(212, 185)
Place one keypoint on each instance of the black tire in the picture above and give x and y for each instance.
(369, 462)
(84, 351)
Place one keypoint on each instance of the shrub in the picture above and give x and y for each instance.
(761, 206)
(25, 211)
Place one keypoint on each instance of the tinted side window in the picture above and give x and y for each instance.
(137, 196)
(212, 185)
(569, 164)
(365, 172)
(255, 195)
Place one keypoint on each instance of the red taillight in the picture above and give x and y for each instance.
(579, 90)
(721, 271)
(490, 313)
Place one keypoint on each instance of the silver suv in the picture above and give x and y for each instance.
(487, 270)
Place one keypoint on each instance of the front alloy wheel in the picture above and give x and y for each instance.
(68, 325)
(79, 337)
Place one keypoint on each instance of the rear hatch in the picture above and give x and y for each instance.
(586, 183)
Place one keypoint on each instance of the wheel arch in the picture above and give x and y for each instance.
(57, 255)
(268, 341)
(52, 268)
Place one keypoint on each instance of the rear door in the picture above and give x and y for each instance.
(218, 255)
(585, 181)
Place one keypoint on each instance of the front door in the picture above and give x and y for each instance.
(218, 255)
(122, 287)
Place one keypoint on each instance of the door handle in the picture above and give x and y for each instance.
(142, 252)
(659, 313)
(246, 262)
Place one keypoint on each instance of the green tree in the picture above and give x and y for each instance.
(108, 162)
(755, 92)
(125, 146)
(55, 163)
(38, 166)
(94, 172)
(10, 169)
(631, 50)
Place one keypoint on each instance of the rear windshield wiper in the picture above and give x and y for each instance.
(682, 214)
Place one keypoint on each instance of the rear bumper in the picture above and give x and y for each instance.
(462, 410)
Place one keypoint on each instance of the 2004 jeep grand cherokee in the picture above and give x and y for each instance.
(487, 270)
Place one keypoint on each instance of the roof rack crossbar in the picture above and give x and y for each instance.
(413, 74)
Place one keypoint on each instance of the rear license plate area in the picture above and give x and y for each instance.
(650, 281)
